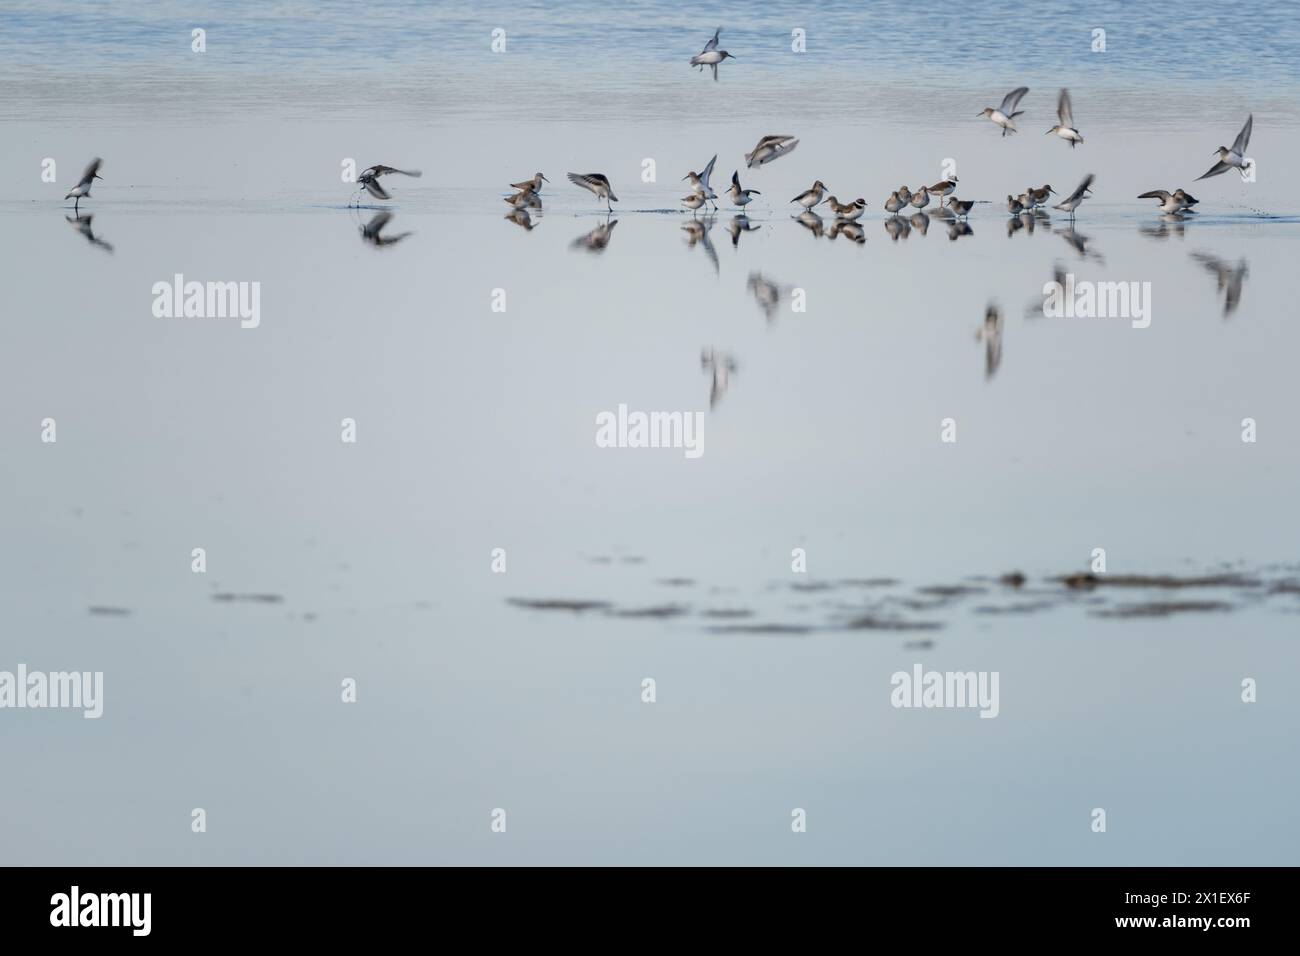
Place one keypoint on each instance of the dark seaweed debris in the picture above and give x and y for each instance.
(872, 623)
(761, 629)
(559, 604)
(662, 611)
(228, 598)
(1161, 608)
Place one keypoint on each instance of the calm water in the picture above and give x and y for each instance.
(475, 432)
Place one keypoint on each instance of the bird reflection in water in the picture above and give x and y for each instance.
(990, 333)
(849, 230)
(767, 293)
(1170, 224)
(598, 239)
(81, 223)
(1079, 243)
(898, 228)
(722, 365)
(521, 218)
(372, 232)
(812, 222)
(697, 233)
(1228, 276)
(738, 225)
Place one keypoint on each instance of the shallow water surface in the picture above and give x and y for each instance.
(825, 363)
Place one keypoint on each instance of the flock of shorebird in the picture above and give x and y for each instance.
(527, 194)
(904, 198)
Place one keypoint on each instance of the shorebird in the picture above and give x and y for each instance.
(700, 182)
(1072, 202)
(370, 232)
(961, 207)
(770, 148)
(596, 240)
(596, 183)
(1039, 196)
(741, 197)
(847, 211)
(1027, 200)
(894, 203)
(693, 201)
(1065, 127)
(1234, 158)
(531, 185)
(1229, 278)
(921, 199)
(943, 188)
(369, 179)
(1170, 202)
(1186, 198)
(723, 366)
(82, 225)
(711, 56)
(1005, 114)
(709, 47)
(82, 189)
(1014, 206)
(904, 194)
(811, 196)
(991, 335)
(524, 199)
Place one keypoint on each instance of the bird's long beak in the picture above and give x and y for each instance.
(545, 180)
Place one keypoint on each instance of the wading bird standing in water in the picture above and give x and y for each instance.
(1072, 202)
(596, 183)
(82, 189)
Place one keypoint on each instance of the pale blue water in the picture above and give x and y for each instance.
(476, 432)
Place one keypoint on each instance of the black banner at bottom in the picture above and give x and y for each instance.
(339, 905)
